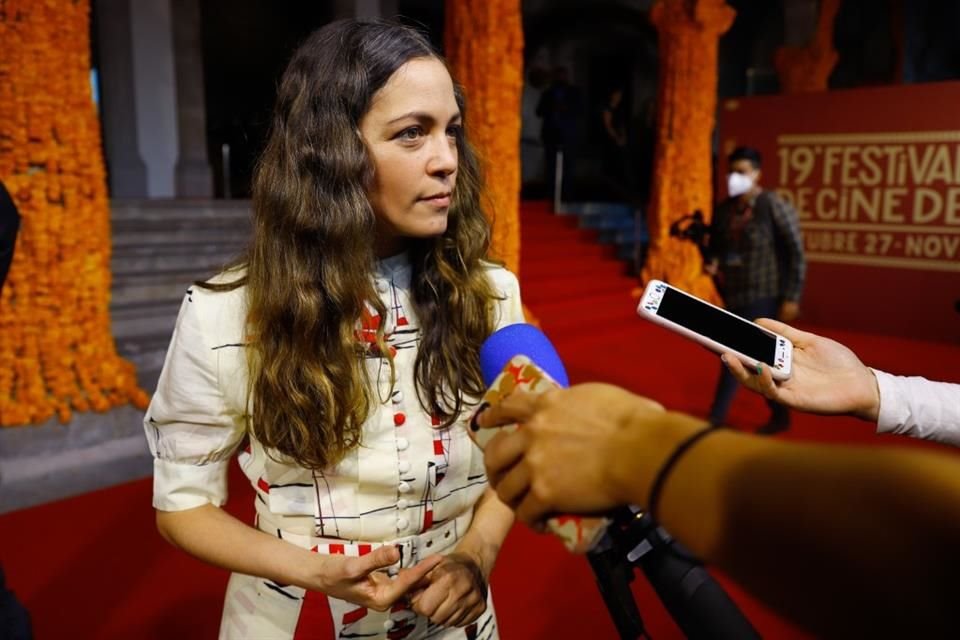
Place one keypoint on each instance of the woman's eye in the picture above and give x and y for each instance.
(454, 131)
(411, 133)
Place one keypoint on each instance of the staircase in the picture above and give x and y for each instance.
(159, 248)
(575, 285)
(616, 223)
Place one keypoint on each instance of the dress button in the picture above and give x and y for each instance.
(404, 487)
(382, 286)
(397, 397)
(387, 625)
(402, 444)
(404, 466)
(402, 523)
(399, 418)
(403, 503)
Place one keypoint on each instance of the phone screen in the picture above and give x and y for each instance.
(721, 327)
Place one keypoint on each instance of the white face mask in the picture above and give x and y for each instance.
(738, 184)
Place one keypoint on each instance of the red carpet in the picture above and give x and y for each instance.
(94, 567)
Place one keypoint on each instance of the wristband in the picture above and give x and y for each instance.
(670, 463)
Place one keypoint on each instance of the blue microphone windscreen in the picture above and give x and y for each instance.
(520, 339)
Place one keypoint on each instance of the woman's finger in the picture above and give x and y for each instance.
(406, 579)
(502, 453)
(512, 486)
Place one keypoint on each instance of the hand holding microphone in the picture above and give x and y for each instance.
(526, 377)
(594, 448)
(589, 423)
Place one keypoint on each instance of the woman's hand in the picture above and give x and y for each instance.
(826, 377)
(454, 593)
(362, 580)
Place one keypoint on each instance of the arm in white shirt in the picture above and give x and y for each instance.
(920, 408)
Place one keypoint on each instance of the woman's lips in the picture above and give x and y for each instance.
(439, 200)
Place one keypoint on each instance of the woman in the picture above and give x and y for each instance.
(340, 358)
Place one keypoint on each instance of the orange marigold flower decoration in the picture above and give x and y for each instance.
(484, 44)
(808, 68)
(686, 102)
(56, 351)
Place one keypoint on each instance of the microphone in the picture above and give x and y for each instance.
(520, 356)
(517, 339)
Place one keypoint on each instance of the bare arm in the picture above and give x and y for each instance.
(455, 592)
(216, 537)
(841, 540)
(491, 524)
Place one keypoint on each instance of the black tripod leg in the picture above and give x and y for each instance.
(613, 578)
(697, 602)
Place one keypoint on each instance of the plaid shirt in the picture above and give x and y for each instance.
(759, 250)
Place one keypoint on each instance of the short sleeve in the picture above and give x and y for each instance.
(190, 430)
(509, 306)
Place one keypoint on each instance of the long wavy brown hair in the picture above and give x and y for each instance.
(309, 267)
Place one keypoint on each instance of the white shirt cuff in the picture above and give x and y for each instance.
(894, 408)
(178, 486)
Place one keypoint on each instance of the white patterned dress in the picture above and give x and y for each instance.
(409, 483)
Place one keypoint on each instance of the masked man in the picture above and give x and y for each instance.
(755, 253)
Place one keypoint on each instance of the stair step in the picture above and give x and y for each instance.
(150, 287)
(198, 264)
(532, 252)
(538, 220)
(572, 288)
(577, 321)
(146, 210)
(536, 269)
(554, 235)
(142, 318)
(185, 235)
(607, 222)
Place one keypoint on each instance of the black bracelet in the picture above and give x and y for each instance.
(670, 463)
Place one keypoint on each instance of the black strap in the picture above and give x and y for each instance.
(670, 463)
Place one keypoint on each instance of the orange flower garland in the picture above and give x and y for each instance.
(56, 350)
(686, 103)
(484, 43)
(808, 68)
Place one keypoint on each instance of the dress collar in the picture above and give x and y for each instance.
(396, 268)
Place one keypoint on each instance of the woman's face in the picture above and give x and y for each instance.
(411, 132)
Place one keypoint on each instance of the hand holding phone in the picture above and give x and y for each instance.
(717, 329)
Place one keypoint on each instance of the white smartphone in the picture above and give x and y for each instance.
(715, 328)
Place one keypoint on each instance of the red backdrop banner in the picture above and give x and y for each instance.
(875, 177)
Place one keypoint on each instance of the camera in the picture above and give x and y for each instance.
(693, 228)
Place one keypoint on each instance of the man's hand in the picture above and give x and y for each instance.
(575, 450)
(826, 376)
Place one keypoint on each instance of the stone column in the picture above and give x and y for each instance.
(193, 176)
(156, 98)
(126, 171)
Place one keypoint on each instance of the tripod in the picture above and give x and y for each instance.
(697, 603)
